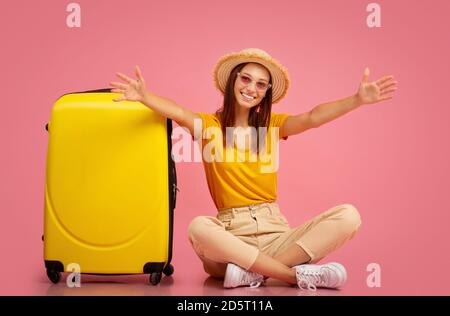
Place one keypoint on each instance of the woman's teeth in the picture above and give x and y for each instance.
(247, 97)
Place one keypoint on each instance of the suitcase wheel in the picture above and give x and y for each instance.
(54, 276)
(155, 278)
(168, 270)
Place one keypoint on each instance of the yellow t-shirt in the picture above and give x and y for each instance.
(235, 176)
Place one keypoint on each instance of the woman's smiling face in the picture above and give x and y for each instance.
(249, 95)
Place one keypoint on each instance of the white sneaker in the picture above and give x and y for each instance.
(311, 276)
(236, 276)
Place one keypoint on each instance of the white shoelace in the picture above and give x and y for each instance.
(249, 278)
(309, 280)
(255, 284)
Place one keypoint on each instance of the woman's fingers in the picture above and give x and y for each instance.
(383, 80)
(366, 74)
(387, 85)
(118, 85)
(124, 77)
(386, 98)
(139, 74)
(388, 91)
(117, 90)
(121, 98)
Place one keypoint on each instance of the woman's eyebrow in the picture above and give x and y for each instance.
(246, 73)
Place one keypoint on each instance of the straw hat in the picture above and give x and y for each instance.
(279, 74)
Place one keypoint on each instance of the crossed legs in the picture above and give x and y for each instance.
(307, 243)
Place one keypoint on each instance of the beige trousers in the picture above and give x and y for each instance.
(238, 234)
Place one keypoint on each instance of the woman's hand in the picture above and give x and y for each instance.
(132, 90)
(375, 91)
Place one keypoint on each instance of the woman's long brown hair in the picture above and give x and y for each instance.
(259, 115)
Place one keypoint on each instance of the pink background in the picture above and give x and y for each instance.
(390, 160)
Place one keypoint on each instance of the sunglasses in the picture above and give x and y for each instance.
(260, 85)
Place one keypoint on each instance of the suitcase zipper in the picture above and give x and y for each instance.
(175, 190)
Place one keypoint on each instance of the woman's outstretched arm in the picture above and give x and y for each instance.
(136, 90)
(368, 92)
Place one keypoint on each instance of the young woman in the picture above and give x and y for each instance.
(250, 240)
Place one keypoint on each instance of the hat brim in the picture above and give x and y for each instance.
(279, 74)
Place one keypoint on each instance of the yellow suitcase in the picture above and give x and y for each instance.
(110, 188)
